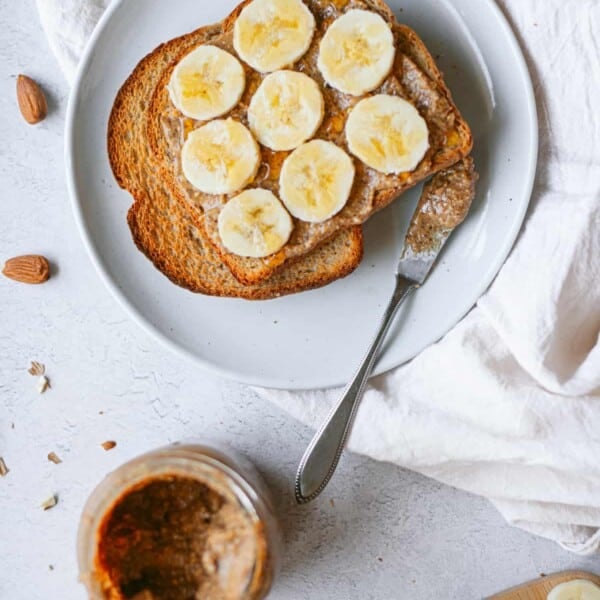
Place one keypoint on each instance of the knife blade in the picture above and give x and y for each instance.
(442, 207)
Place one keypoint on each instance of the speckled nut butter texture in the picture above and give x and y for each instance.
(176, 538)
(448, 136)
(444, 204)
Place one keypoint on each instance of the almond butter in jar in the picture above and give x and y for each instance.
(179, 523)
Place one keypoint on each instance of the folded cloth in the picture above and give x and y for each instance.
(507, 405)
(68, 25)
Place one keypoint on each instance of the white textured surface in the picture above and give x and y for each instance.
(433, 541)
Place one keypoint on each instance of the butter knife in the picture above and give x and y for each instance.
(442, 207)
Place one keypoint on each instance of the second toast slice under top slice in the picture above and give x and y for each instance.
(161, 226)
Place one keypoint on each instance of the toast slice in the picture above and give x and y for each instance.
(414, 77)
(164, 231)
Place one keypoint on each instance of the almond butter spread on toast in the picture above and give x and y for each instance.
(449, 140)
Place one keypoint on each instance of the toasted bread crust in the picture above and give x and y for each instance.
(164, 231)
(415, 76)
(173, 255)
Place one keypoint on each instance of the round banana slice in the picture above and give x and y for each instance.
(286, 110)
(254, 224)
(357, 52)
(207, 83)
(316, 180)
(387, 133)
(577, 589)
(220, 157)
(272, 34)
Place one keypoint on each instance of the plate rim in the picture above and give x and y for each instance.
(257, 380)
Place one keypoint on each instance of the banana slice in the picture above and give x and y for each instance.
(286, 110)
(272, 34)
(254, 224)
(316, 180)
(220, 157)
(387, 133)
(357, 52)
(578, 589)
(207, 83)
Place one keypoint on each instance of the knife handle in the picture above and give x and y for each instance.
(323, 453)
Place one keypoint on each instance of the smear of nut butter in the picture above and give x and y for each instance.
(443, 205)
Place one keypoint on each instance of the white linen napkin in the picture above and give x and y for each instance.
(68, 25)
(507, 405)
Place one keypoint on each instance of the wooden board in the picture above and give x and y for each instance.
(538, 589)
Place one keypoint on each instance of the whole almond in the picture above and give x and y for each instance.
(32, 101)
(27, 269)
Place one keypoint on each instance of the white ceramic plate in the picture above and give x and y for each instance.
(314, 339)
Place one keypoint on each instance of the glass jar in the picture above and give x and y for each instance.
(135, 530)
